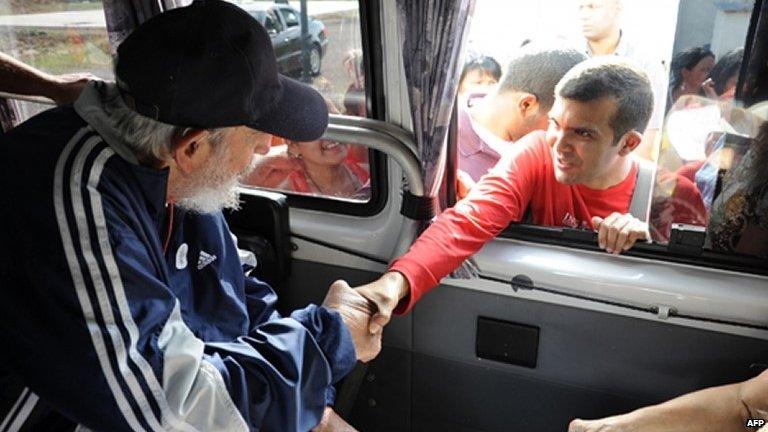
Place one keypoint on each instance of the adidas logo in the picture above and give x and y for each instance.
(204, 259)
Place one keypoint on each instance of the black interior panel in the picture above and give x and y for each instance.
(310, 281)
(263, 227)
(384, 401)
(507, 342)
(449, 395)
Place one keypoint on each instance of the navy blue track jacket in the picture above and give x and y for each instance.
(101, 328)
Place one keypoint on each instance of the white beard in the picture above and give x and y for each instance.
(211, 189)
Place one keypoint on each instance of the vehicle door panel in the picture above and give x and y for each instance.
(591, 363)
(276, 30)
(291, 38)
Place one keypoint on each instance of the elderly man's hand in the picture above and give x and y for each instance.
(385, 292)
(356, 311)
(619, 232)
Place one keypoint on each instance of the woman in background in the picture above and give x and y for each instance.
(325, 170)
(689, 74)
(725, 74)
(321, 167)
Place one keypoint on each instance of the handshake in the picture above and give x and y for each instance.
(366, 309)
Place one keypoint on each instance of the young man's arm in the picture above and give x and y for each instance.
(716, 409)
(499, 198)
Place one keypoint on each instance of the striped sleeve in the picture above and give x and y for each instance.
(154, 373)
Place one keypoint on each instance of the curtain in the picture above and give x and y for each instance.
(125, 15)
(9, 115)
(433, 34)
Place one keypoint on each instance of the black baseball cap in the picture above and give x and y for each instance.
(211, 65)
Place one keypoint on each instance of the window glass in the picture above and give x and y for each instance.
(334, 58)
(272, 23)
(324, 168)
(57, 37)
(290, 17)
(709, 186)
(703, 146)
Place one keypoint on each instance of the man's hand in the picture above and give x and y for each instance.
(356, 311)
(67, 88)
(619, 232)
(385, 292)
(463, 184)
(331, 422)
(608, 424)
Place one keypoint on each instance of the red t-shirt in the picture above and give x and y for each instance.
(525, 176)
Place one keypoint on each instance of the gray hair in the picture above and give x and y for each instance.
(149, 139)
(617, 78)
(536, 69)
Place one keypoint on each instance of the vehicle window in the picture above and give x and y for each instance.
(335, 62)
(333, 55)
(704, 148)
(57, 37)
(322, 168)
(272, 23)
(290, 17)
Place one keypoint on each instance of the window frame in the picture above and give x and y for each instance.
(558, 236)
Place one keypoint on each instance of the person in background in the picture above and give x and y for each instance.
(324, 170)
(20, 78)
(725, 74)
(518, 105)
(354, 98)
(600, 24)
(689, 74)
(479, 75)
(320, 167)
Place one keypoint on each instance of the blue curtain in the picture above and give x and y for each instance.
(433, 34)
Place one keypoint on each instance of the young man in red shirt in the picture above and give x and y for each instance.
(578, 173)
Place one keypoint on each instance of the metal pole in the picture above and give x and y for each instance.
(305, 75)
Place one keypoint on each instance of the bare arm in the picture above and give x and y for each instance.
(20, 78)
(716, 409)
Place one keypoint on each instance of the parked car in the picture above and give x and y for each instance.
(283, 23)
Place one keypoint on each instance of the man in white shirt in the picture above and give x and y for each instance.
(600, 26)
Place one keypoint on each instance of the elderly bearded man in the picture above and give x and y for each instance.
(125, 306)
